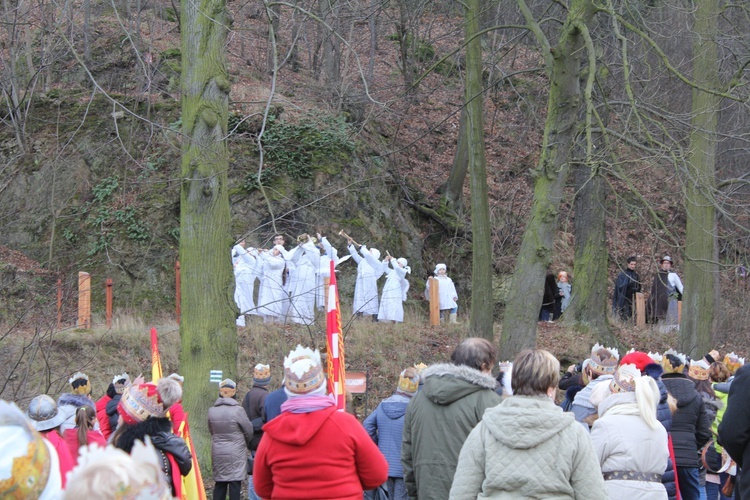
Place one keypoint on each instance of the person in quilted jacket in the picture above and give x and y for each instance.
(385, 426)
(630, 442)
(527, 447)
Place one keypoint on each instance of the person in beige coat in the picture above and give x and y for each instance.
(231, 433)
(630, 443)
(527, 447)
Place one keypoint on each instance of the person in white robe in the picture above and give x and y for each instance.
(446, 292)
(328, 255)
(244, 278)
(394, 291)
(272, 296)
(306, 259)
(369, 269)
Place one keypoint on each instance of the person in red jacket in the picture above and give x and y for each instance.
(83, 434)
(47, 419)
(312, 450)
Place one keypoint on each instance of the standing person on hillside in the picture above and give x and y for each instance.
(244, 264)
(231, 433)
(452, 401)
(385, 426)
(312, 450)
(549, 299)
(272, 297)
(394, 291)
(565, 288)
(690, 424)
(306, 260)
(631, 444)
(254, 405)
(446, 292)
(83, 434)
(527, 447)
(734, 429)
(666, 291)
(328, 254)
(628, 283)
(369, 270)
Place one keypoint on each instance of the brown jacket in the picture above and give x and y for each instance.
(231, 433)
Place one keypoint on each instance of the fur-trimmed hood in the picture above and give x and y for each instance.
(446, 383)
(75, 400)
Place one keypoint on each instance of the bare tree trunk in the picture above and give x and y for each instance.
(701, 268)
(453, 188)
(481, 268)
(207, 328)
(588, 304)
(331, 57)
(87, 31)
(535, 255)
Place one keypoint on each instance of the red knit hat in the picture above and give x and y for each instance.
(640, 359)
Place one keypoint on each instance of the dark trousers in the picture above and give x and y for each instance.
(220, 490)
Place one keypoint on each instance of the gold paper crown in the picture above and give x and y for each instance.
(408, 381)
(698, 370)
(655, 356)
(420, 367)
(733, 362)
(261, 373)
(667, 364)
(606, 366)
(303, 371)
(83, 390)
(625, 378)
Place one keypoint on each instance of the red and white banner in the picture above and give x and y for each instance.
(335, 368)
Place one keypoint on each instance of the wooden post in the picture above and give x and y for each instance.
(434, 301)
(679, 312)
(177, 288)
(640, 310)
(326, 286)
(108, 296)
(59, 302)
(84, 300)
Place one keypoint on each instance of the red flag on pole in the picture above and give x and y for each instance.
(335, 345)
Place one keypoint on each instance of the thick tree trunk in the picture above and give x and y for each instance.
(535, 255)
(588, 306)
(207, 328)
(701, 267)
(481, 279)
(454, 186)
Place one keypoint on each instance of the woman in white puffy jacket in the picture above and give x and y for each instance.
(630, 442)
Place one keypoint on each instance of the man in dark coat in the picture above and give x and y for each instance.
(254, 405)
(734, 429)
(627, 285)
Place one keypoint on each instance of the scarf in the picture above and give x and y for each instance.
(307, 404)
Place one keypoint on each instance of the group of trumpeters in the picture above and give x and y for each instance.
(292, 282)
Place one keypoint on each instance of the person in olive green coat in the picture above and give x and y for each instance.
(231, 433)
(442, 415)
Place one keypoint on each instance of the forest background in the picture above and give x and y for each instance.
(506, 139)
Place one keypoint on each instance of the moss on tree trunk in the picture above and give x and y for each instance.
(535, 255)
(481, 278)
(701, 267)
(207, 329)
